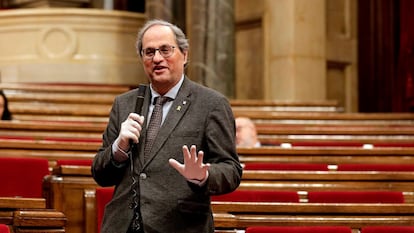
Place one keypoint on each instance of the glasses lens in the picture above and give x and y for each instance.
(165, 50)
(149, 52)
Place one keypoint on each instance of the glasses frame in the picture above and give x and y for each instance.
(171, 49)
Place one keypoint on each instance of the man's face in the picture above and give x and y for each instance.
(244, 133)
(163, 72)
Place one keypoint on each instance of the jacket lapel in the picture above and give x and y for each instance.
(178, 109)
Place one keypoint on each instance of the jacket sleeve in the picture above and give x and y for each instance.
(225, 171)
(104, 169)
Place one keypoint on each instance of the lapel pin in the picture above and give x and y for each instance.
(184, 102)
(178, 108)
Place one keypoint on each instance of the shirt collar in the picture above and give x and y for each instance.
(172, 93)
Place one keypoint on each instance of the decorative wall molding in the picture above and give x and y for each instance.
(70, 45)
(45, 3)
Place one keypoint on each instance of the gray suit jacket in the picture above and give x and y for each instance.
(168, 202)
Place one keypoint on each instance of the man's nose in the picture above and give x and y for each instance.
(157, 56)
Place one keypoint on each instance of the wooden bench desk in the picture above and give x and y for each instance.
(51, 100)
(313, 208)
(328, 175)
(74, 145)
(241, 221)
(327, 117)
(320, 185)
(51, 109)
(378, 130)
(64, 191)
(60, 98)
(329, 155)
(48, 126)
(239, 215)
(65, 118)
(65, 87)
(75, 177)
(57, 135)
(336, 140)
(30, 215)
(294, 106)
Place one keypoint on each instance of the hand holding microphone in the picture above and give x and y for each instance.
(130, 131)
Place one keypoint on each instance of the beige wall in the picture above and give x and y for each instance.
(341, 52)
(288, 50)
(296, 50)
(249, 49)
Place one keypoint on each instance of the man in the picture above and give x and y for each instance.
(166, 187)
(246, 133)
(5, 113)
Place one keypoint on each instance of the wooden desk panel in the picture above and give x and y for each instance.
(30, 215)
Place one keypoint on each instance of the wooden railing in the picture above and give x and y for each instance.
(70, 184)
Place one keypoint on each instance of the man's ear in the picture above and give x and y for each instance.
(185, 56)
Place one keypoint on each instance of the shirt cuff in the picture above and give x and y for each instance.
(199, 182)
(119, 155)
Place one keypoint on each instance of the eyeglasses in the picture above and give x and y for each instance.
(164, 50)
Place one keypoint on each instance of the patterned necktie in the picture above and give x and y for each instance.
(154, 124)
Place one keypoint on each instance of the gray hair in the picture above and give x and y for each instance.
(180, 37)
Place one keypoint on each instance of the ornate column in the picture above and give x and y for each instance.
(210, 27)
(294, 50)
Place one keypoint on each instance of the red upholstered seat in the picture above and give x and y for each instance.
(298, 229)
(375, 167)
(79, 162)
(355, 197)
(22, 177)
(258, 196)
(388, 229)
(286, 166)
(4, 228)
(102, 195)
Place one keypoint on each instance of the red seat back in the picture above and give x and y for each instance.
(78, 162)
(298, 229)
(355, 197)
(4, 228)
(258, 196)
(286, 166)
(103, 195)
(22, 177)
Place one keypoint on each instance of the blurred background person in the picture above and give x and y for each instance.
(4, 107)
(246, 133)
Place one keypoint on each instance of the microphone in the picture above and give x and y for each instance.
(140, 100)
